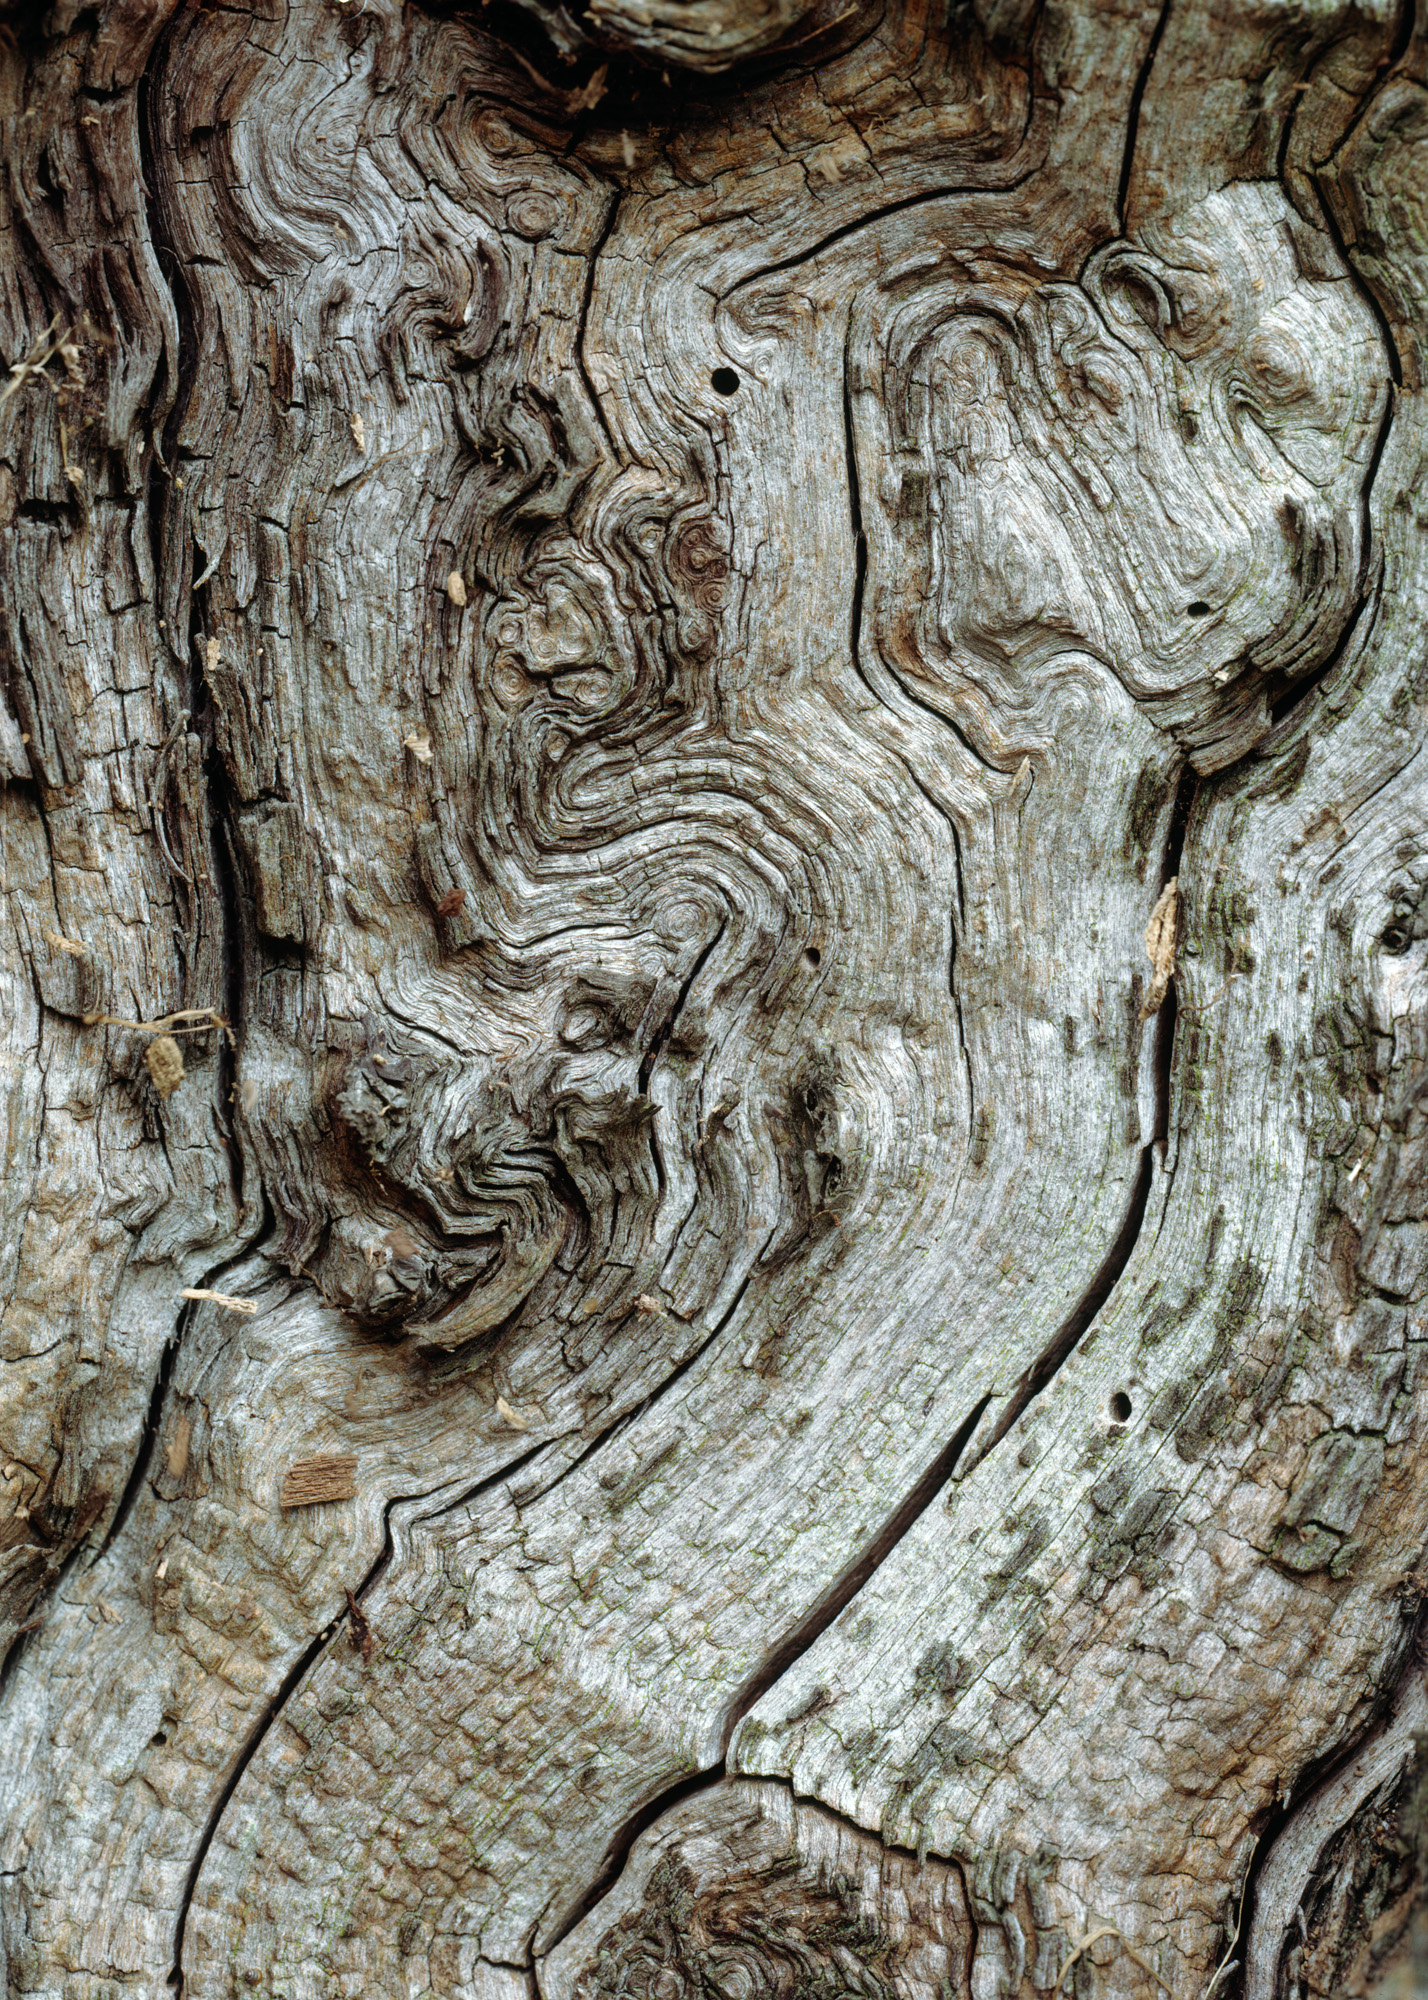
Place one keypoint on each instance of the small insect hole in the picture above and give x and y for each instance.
(813, 956)
(725, 381)
(157, 1739)
(1121, 1407)
(1199, 609)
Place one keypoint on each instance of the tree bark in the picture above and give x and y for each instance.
(717, 942)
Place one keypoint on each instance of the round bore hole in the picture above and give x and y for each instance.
(156, 1740)
(1199, 609)
(724, 380)
(1121, 1407)
(813, 956)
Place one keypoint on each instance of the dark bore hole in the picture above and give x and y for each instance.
(813, 955)
(724, 380)
(1199, 609)
(155, 1741)
(1121, 1407)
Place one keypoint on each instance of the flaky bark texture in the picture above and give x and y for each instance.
(717, 999)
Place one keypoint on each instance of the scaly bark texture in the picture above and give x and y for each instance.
(717, 996)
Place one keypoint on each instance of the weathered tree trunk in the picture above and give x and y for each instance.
(717, 950)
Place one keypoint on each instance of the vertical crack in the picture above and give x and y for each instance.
(1077, 1323)
(1142, 84)
(855, 651)
(597, 249)
(245, 1757)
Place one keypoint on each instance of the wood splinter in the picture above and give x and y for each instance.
(1160, 939)
(168, 1024)
(328, 1475)
(224, 1299)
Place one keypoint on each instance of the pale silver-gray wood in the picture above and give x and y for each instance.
(646, 605)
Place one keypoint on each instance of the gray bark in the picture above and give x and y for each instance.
(717, 939)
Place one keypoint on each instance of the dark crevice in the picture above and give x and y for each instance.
(815, 1622)
(661, 1040)
(1406, 1660)
(1054, 1355)
(223, 873)
(463, 1499)
(596, 252)
(1162, 1058)
(279, 1701)
(618, 1852)
(1181, 806)
(1073, 1328)
(860, 578)
(855, 504)
(840, 1594)
(962, 1042)
(144, 1456)
(878, 215)
(1142, 84)
(657, 1395)
(287, 1687)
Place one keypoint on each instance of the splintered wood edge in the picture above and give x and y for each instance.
(327, 1476)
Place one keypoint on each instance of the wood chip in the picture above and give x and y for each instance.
(329, 1475)
(163, 1059)
(1160, 940)
(177, 1449)
(456, 587)
(361, 1631)
(588, 95)
(516, 1423)
(419, 743)
(224, 1299)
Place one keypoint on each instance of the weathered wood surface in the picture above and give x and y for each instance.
(616, 626)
